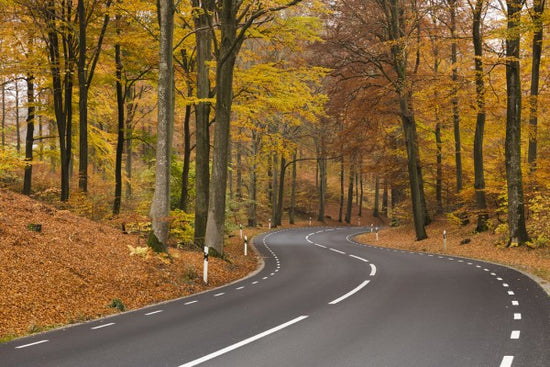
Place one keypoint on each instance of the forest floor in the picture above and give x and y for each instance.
(74, 269)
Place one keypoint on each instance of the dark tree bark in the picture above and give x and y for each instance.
(516, 215)
(29, 141)
(341, 208)
(350, 191)
(291, 213)
(17, 124)
(385, 198)
(322, 164)
(479, 171)
(454, 95)
(202, 116)
(376, 212)
(253, 186)
(120, 128)
(184, 194)
(280, 200)
(536, 14)
(274, 188)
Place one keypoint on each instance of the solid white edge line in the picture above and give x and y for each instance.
(152, 313)
(337, 251)
(31, 344)
(243, 342)
(507, 361)
(372, 270)
(350, 293)
(102, 326)
(359, 258)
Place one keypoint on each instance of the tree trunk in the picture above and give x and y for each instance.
(160, 206)
(385, 198)
(202, 116)
(341, 209)
(83, 99)
(293, 191)
(454, 96)
(479, 173)
(516, 215)
(253, 190)
(375, 212)
(350, 191)
(17, 124)
(322, 162)
(280, 200)
(361, 193)
(120, 129)
(538, 9)
(229, 47)
(3, 115)
(275, 189)
(239, 169)
(184, 197)
(29, 141)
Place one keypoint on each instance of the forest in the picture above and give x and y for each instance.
(193, 117)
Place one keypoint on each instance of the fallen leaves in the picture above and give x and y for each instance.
(74, 268)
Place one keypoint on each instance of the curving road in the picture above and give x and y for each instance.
(322, 300)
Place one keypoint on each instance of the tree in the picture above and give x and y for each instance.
(516, 212)
(160, 206)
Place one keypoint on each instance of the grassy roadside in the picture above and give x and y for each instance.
(462, 241)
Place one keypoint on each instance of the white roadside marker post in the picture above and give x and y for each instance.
(269, 223)
(205, 267)
(245, 245)
(445, 240)
(376, 230)
(241, 230)
(359, 221)
(309, 220)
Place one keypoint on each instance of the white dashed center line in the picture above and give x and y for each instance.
(102, 326)
(337, 251)
(350, 293)
(517, 316)
(31, 344)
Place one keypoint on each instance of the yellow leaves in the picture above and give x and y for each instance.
(140, 251)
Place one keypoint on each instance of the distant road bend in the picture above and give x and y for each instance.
(322, 300)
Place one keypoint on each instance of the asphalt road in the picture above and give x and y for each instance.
(322, 300)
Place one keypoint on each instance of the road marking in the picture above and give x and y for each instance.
(515, 334)
(359, 258)
(478, 266)
(493, 274)
(190, 303)
(517, 316)
(243, 342)
(31, 344)
(515, 303)
(153, 312)
(350, 293)
(264, 278)
(219, 294)
(499, 278)
(241, 287)
(505, 285)
(337, 251)
(470, 264)
(372, 270)
(511, 293)
(485, 269)
(256, 282)
(102, 326)
(318, 245)
(507, 361)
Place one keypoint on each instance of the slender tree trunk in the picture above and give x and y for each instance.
(385, 198)
(120, 117)
(479, 174)
(3, 116)
(160, 206)
(29, 141)
(376, 212)
(516, 215)
(202, 116)
(17, 124)
(184, 197)
(252, 200)
(280, 200)
(83, 99)
(275, 189)
(293, 191)
(361, 193)
(454, 95)
(350, 191)
(322, 163)
(239, 168)
(538, 9)
(341, 209)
